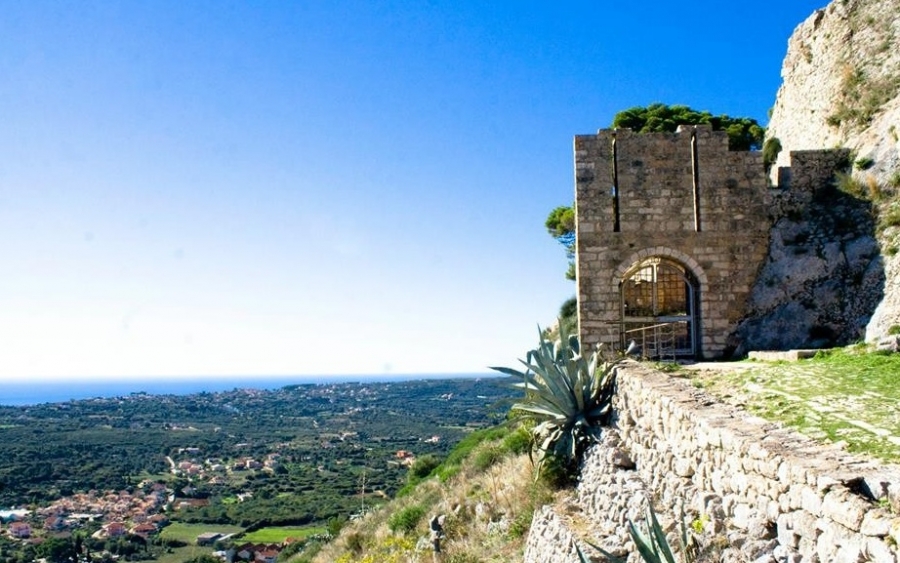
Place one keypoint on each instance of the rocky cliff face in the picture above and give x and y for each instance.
(842, 89)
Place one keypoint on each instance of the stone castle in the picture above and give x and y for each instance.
(673, 232)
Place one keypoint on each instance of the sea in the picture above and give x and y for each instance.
(18, 393)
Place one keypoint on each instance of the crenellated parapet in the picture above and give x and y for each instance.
(688, 202)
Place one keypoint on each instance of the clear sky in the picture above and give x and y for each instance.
(321, 187)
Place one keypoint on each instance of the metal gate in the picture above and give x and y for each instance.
(659, 297)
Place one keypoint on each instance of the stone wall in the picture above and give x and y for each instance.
(758, 492)
(682, 196)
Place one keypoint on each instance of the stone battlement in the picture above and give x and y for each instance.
(681, 197)
(672, 230)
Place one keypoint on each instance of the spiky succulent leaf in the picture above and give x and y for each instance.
(609, 556)
(659, 536)
(566, 394)
(644, 545)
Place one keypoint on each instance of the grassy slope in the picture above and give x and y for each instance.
(277, 534)
(480, 483)
(845, 396)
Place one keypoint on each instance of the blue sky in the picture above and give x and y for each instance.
(321, 187)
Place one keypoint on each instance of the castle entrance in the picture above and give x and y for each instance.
(658, 299)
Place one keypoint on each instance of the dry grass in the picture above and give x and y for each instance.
(488, 513)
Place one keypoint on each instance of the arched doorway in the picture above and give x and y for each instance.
(658, 300)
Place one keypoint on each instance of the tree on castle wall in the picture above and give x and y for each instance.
(744, 133)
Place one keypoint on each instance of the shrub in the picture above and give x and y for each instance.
(851, 185)
(894, 180)
(864, 163)
(423, 467)
(521, 524)
(518, 442)
(486, 457)
(567, 396)
(405, 520)
(770, 151)
(355, 542)
(557, 473)
(890, 218)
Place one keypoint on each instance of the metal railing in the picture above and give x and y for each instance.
(658, 341)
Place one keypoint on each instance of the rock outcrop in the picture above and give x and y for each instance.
(823, 275)
(842, 89)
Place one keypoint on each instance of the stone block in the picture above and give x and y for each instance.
(758, 551)
(810, 501)
(739, 482)
(807, 549)
(741, 515)
(844, 508)
(785, 555)
(876, 523)
(877, 551)
(784, 503)
(784, 528)
(718, 481)
(769, 467)
(832, 533)
(684, 467)
(806, 525)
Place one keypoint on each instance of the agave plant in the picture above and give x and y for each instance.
(652, 544)
(567, 396)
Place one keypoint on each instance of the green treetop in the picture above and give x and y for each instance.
(744, 133)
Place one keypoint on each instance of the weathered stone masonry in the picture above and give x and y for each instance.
(680, 196)
(759, 492)
(694, 220)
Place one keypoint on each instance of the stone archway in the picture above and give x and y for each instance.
(659, 308)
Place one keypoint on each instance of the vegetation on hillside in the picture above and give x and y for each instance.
(272, 464)
(485, 488)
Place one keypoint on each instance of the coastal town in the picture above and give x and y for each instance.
(139, 476)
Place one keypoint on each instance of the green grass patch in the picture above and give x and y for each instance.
(277, 534)
(453, 464)
(188, 532)
(182, 554)
(846, 395)
(406, 519)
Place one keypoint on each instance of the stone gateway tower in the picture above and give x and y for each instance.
(671, 231)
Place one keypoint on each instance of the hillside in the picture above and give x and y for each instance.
(841, 88)
(485, 490)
